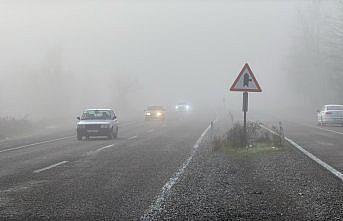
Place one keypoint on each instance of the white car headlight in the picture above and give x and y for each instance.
(158, 114)
(148, 114)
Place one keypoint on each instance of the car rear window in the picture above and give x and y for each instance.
(96, 115)
(334, 107)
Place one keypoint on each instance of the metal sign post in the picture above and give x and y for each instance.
(245, 110)
(245, 82)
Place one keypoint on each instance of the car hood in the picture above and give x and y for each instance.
(88, 122)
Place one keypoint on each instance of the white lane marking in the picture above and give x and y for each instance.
(320, 128)
(98, 150)
(155, 207)
(151, 130)
(35, 144)
(105, 147)
(310, 155)
(131, 138)
(51, 166)
(324, 143)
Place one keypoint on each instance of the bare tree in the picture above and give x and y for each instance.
(316, 56)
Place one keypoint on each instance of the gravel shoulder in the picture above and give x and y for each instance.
(279, 184)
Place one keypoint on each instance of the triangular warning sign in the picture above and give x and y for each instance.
(246, 81)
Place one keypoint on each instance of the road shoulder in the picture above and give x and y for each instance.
(279, 185)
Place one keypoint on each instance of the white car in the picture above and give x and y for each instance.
(97, 122)
(331, 114)
(183, 107)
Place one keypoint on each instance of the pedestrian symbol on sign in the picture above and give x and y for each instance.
(246, 80)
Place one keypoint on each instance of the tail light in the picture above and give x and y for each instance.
(328, 113)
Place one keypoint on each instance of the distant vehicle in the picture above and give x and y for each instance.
(97, 122)
(183, 107)
(155, 113)
(330, 114)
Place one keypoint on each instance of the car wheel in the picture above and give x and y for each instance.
(111, 135)
(115, 134)
(321, 122)
(87, 137)
(79, 137)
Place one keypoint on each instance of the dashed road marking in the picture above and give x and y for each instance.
(50, 167)
(35, 144)
(155, 207)
(98, 150)
(310, 155)
(131, 138)
(105, 147)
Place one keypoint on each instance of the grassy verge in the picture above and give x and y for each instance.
(258, 149)
(10, 127)
(259, 141)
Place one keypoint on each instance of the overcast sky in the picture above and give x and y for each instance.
(175, 50)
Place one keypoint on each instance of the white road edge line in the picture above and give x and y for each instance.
(35, 144)
(155, 207)
(49, 167)
(131, 138)
(310, 155)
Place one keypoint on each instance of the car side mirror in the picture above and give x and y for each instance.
(114, 117)
(78, 118)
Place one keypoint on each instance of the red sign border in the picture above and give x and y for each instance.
(258, 89)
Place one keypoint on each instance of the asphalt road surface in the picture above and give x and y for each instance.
(326, 143)
(57, 177)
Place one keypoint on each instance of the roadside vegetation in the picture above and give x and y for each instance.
(10, 126)
(259, 140)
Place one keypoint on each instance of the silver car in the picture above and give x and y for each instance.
(330, 114)
(97, 122)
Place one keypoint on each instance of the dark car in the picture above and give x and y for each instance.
(97, 122)
(155, 113)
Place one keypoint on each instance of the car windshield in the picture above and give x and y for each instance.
(96, 115)
(336, 107)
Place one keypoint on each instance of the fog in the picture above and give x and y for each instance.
(59, 57)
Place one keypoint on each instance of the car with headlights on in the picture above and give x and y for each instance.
(97, 122)
(331, 114)
(183, 107)
(155, 113)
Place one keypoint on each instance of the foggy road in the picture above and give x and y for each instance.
(58, 177)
